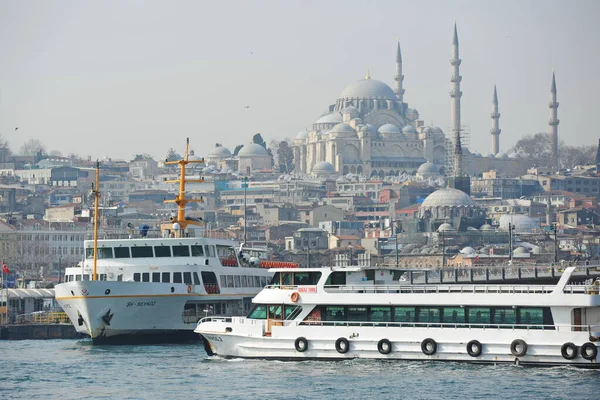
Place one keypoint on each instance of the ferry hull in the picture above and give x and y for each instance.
(247, 340)
(112, 312)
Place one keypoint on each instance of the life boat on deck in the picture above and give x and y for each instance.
(278, 264)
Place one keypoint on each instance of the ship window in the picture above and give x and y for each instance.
(146, 277)
(210, 250)
(428, 314)
(306, 278)
(381, 314)
(478, 315)
(136, 277)
(196, 279)
(358, 314)
(78, 277)
(237, 281)
(166, 277)
(103, 252)
(177, 277)
(141, 251)
(404, 314)
(336, 278)
(453, 315)
(257, 281)
(122, 252)
(162, 251)
(334, 313)
(197, 251)
(120, 278)
(286, 278)
(258, 312)
(275, 312)
(229, 280)
(244, 281)
(86, 277)
(187, 278)
(504, 316)
(156, 277)
(224, 280)
(535, 316)
(181, 251)
(292, 312)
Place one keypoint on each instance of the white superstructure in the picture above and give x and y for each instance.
(354, 312)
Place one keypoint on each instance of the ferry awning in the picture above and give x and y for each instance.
(30, 293)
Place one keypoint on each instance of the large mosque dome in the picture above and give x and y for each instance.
(368, 88)
(448, 197)
(253, 150)
(331, 118)
(427, 169)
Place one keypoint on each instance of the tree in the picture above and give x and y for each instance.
(537, 149)
(285, 157)
(55, 153)
(258, 139)
(172, 155)
(32, 147)
(237, 149)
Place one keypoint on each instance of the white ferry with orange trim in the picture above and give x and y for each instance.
(368, 312)
(141, 290)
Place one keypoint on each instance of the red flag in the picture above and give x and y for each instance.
(5, 268)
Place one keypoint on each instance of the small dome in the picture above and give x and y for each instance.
(253, 150)
(448, 197)
(409, 129)
(436, 129)
(220, 151)
(477, 154)
(471, 228)
(368, 88)
(513, 155)
(502, 156)
(445, 227)
(488, 155)
(486, 227)
(428, 169)
(331, 118)
(343, 130)
(323, 167)
(468, 250)
(427, 130)
(520, 250)
(302, 135)
(367, 128)
(521, 223)
(388, 129)
(350, 110)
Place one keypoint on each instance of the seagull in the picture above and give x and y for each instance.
(251, 52)
(247, 107)
(17, 128)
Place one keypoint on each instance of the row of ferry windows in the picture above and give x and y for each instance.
(161, 251)
(436, 314)
(165, 277)
(243, 281)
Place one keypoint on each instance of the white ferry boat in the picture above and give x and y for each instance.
(367, 312)
(156, 289)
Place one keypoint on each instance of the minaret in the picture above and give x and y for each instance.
(495, 131)
(455, 95)
(553, 122)
(598, 158)
(399, 78)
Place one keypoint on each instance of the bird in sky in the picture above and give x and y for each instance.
(247, 107)
(17, 128)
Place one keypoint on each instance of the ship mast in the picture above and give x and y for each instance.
(96, 194)
(180, 199)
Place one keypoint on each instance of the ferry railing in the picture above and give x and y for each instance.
(43, 317)
(498, 289)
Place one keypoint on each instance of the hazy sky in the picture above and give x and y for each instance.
(116, 78)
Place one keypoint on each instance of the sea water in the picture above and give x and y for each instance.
(74, 369)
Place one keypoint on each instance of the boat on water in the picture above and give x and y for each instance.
(154, 290)
(342, 313)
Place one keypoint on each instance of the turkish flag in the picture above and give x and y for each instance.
(5, 268)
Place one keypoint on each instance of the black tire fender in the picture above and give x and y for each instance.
(474, 348)
(514, 348)
(569, 355)
(301, 344)
(589, 351)
(428, 346)
(384, 346)
(342, 345)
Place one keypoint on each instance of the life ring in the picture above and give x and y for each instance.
(384, 346)
(589, 351)
(189, 288)
(474, 348)
(342, 345)
(295, 296)
(428, 346)
(568, 351)
(301, 344)
(518, 348)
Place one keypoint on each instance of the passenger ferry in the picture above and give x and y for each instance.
(367, 312)
(139, 290)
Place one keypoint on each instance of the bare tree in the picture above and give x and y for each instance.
(537, 149)
(32, 147)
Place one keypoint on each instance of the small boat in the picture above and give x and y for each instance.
(342, 313)
(154, 290)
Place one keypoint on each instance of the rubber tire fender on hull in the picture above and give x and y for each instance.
(384, 346)
(428, 346)
(342, 348)
(564, 351)
(513, 348)
(301, 344)
(474, 348)
(593, 351)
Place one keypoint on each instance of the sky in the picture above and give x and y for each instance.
(123, 77)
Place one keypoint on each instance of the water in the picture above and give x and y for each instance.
(73, 369)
